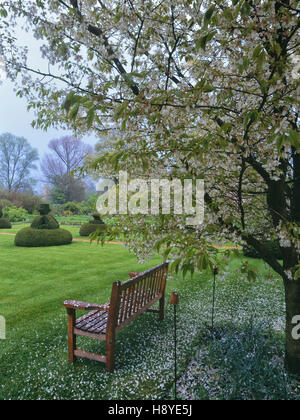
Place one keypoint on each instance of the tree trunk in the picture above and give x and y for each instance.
(292, 349)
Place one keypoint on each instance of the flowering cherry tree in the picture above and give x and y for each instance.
(198, 89)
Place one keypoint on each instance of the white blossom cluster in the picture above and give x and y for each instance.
(194, 90)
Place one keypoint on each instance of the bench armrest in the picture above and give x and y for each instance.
(75, 304)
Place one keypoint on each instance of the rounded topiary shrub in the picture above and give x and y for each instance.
(272, 246)
(29, 237)
(89, 228)
(92, 226)
(4, 223)
(44, 231)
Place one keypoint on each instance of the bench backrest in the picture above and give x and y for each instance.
(135, 296)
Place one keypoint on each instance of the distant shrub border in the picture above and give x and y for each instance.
(15, 214)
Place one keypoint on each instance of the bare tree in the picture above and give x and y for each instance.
(66, 155)
(17, 159)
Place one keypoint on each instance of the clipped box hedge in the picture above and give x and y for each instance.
(30, 237)
(45, 222)
(88, 228)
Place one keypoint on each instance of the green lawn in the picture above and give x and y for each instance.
(33, 358)
(17, 226)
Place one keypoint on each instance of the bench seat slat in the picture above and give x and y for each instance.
(93, 321)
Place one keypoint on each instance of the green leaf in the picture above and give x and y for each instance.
(3, 13)
(74, 112)
(201, 42)
(185, 268)
(90, 117)
(257, 51)
(124, 123)
(135, 74)
(259, 55)
(174, 266)
(120, 111)
(167, 252)
(158, 244)
(245, 9)
(226, 127)
(281, 141)
(297, 274)
(251, 117)
(70, 100)
(228, 14)
(294, 138)
(291, 138)
(208, 15)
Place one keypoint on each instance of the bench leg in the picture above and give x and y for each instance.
(162, 308)
(71, 335)
(110, 354)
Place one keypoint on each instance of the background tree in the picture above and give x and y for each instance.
(201, 89)
(17, 160)
(67, 155)
(25, 200)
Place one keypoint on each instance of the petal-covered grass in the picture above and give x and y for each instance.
(33, 358)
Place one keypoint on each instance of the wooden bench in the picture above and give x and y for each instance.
(128, 300)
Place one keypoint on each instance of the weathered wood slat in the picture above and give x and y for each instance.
(95, 323)
(89, 355)
(90, 319)
(91, 335)
(138, 313)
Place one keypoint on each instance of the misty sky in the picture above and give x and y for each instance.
(14, 117)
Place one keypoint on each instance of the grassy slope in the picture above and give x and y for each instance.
(39, 279)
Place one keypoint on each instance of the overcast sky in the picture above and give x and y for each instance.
(14, 117)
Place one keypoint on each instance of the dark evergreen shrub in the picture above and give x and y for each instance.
(96, 219)
(44, 209)
(29, 237)
(45, 222)
(44, 231)
(272, 246)
(93, 225)
(89, 228)
(5, 224)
